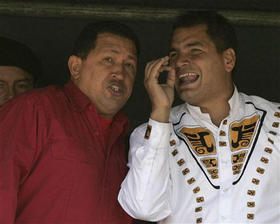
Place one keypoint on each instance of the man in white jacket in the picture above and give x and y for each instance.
(215, 158)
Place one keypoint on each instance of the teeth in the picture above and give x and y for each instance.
(186, 74)
(115, 88)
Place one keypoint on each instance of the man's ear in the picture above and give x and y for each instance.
(74, 65)
(229, 59)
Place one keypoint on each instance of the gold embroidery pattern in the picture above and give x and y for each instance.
(243, 132)
(277, 114)
(198, 209)
(174, 152)
(237, 168)
(201, 140)
(239, 157)
(270, 140)
(191, 180)
(181, 162)
(210, 162)
(251, 192)
(255, 181)
(222, 133)
(172, 142)
(260, 170)
(215, 176)
(222, 144)
(148, 132)
(200, 199)
(250, 204)
(264, 160)
(185, 171)
(273, 133)
(196, 190)
(268, 150)
(250, 216)
(275, 124)
(213, 171)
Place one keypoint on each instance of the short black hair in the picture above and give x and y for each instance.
(87, 38)
(15, 53)
(219, 29)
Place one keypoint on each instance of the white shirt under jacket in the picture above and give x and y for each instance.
(191, 171)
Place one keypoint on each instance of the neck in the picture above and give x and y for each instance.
(217, 109)
(217, 112)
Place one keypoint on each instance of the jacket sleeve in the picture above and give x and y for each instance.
(17, 149)
(145, 192)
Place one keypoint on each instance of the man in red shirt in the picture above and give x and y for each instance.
(62, 150)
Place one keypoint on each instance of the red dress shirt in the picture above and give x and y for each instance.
(55, 167)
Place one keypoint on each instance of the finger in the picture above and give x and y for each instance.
(170, 81)
(155, 69)
(164, 68)
(148, 68)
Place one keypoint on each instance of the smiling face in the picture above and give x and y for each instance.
(107, 75)
(202, 74)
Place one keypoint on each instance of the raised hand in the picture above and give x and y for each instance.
(161, 95)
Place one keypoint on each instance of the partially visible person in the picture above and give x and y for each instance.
(19, 68)
(63, 150)
(215, 158)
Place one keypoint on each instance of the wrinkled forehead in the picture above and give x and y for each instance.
(197, 33)
(112, 42)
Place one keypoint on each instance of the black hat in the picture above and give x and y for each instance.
(14, 53)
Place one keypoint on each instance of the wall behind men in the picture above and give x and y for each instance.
(258, 59)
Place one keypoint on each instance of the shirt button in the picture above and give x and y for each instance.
(225, 190)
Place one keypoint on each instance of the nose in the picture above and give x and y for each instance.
(182, 59)
(7, 95)
(10, 93)
(118, 71)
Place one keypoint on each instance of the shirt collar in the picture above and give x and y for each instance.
(80, 102)
(235, 108)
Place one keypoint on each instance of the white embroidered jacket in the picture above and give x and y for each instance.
(190, 171)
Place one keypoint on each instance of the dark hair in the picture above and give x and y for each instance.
(219, 28)
(14, 53)
(87, 38)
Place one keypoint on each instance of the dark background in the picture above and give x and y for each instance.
(50, 28)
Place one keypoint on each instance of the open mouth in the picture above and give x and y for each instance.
(188, 77)
(117, 88)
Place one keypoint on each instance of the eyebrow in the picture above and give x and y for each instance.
(192, 44)
(26, 79)
(197, 43)
(117, 52)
